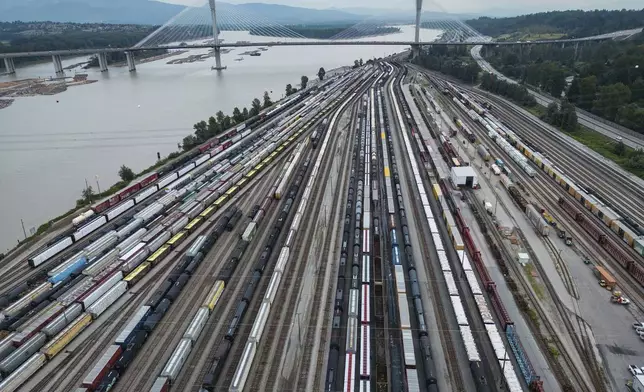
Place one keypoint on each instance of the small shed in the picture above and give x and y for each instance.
(523, 258)
(464, 176)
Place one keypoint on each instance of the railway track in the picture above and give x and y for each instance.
(153, 357)
(615, 186)
(441, 315)
(343, 139)
(586, 353)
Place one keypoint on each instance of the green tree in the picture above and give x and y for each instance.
(256, 107)
(228, 122)
(126, 173)
(237, 115)
(610, 98)
(305, 81)
(552, 113)
(220, 117)
(189, 142)
(267, 100)
(356, 64)
(321, 73)
(201, 130)
(587, 91)
(213, 127)
(573, 91)
(620, 148)
(289, 89)
(360, 62)
(245, 114)
(568, 116)
(87, 194)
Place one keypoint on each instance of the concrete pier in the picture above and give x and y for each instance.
(58, 64)
(102, 61)
(131, 65)
(9, 65)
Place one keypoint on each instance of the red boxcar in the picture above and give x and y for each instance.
(204, 147)
(590, 227)
(148, 180)
(228, 144)
(102, 206)
(500, 309)
(616, 251)
(569, 208)
(130, 190)
(488, 283)
(637, 272)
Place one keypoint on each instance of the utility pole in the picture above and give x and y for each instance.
(23, 228)
(98, 187)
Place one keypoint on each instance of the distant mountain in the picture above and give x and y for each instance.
(89, 11)
(287, 15)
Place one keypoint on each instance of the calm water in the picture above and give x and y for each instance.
(49, 145)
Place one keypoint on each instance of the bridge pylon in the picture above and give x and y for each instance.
(215, 36)
(9, 65)
(419, 10)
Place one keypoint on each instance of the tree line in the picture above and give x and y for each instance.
(607, 78)
(71, 40)
(573, 24)
(454, 61)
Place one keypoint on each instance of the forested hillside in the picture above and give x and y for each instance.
(608, 77)
(558, 24)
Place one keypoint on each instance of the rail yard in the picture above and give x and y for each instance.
(327, 245)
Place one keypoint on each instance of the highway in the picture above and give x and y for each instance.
(606, 128)
(317, 246)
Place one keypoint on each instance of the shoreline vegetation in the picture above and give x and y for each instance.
(203, 131)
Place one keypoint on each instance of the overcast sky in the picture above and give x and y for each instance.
(521, 6)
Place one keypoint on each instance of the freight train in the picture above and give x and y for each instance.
(461, 239)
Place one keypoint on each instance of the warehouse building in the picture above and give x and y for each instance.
(464, 176)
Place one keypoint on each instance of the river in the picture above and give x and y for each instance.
(51, 145)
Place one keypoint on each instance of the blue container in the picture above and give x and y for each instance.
(527, 371)
(72, 269)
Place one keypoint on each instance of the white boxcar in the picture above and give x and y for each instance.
(60, 322)
(486, 315)
(474, 284)
(131, 241)
(400, 278)
(77, 291)
(470, 346)
(144, 194)
(186, 168)
(365, 306)
(354, 298)
(129, 228)
(197, 324)
(243, 368)
(153, 233)
(99, 291)
(432, 226)
(249, 233)
(461, 318)
(281, 260)
(202, 159)
(444, 261)
(167, 180)
(108, 299)
(119, 209)
(179, 225)
(176, 361)
(135, 260)
(403, 308)
(352, 334)
(273, 287)
(452, 289)
(438, 242)
(511, 380)
(40, 258)
(89, 228)
(23, 373)
(133, 251)
(408, 348)
(497, 341)
(413, 384)
(96, 266)
(260, 322)
(159, 241)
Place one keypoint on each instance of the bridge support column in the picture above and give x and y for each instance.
(131, 65)
(419, 9)
(415, 51)
(58, 64)
(576, 50)
(215, 36)
(9, 65)
(102, 61)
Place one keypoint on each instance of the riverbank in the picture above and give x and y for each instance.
(39, 86)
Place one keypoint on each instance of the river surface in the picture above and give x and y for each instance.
(51, 145)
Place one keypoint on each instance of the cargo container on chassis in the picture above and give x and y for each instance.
(102, 367)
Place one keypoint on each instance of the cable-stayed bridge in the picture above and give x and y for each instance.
(207, 27)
